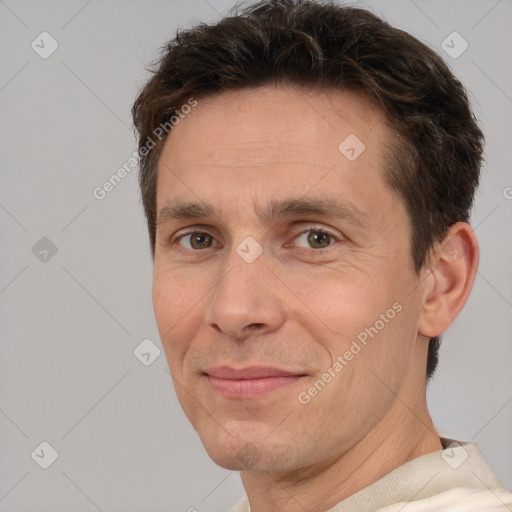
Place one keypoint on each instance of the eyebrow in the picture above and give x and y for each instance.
(276, 209)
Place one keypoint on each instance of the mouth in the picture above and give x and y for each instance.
(249, 382)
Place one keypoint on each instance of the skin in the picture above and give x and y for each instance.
(297, 306)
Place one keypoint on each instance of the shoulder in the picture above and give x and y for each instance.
(241, 506)
(459, 499)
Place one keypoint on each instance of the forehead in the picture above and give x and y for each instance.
(299, 117)
(268, 138)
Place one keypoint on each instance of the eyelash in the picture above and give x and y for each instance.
(310, 250)
(302, 250)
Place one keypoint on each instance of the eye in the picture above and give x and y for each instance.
(315, 239)
(196, 240)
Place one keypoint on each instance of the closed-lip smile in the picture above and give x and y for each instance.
(249, 381)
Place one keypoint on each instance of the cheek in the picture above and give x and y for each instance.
(345, 303)
(370, 351)
(370, 315)
(176, 307)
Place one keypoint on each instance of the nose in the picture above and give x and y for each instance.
(246, 302)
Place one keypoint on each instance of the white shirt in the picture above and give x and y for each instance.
(455, 479)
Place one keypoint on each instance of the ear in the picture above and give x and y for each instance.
(452, 270)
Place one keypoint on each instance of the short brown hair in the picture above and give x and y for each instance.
(434, 165)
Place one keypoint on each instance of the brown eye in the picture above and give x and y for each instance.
(319, 239)
(196, 240)
(314, 239)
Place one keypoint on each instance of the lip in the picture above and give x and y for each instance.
(249, 382)
(249, 372)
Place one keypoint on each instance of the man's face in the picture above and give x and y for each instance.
(248, 334)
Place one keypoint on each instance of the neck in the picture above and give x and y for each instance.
(407, 432)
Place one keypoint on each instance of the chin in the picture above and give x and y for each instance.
(246, 455)
(234, 451)
(246, 445)
(235, 458)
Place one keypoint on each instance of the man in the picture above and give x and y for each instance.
(307, 173)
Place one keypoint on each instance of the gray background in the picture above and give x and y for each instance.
(69, 325)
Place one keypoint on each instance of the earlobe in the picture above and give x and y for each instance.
(453, 269)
